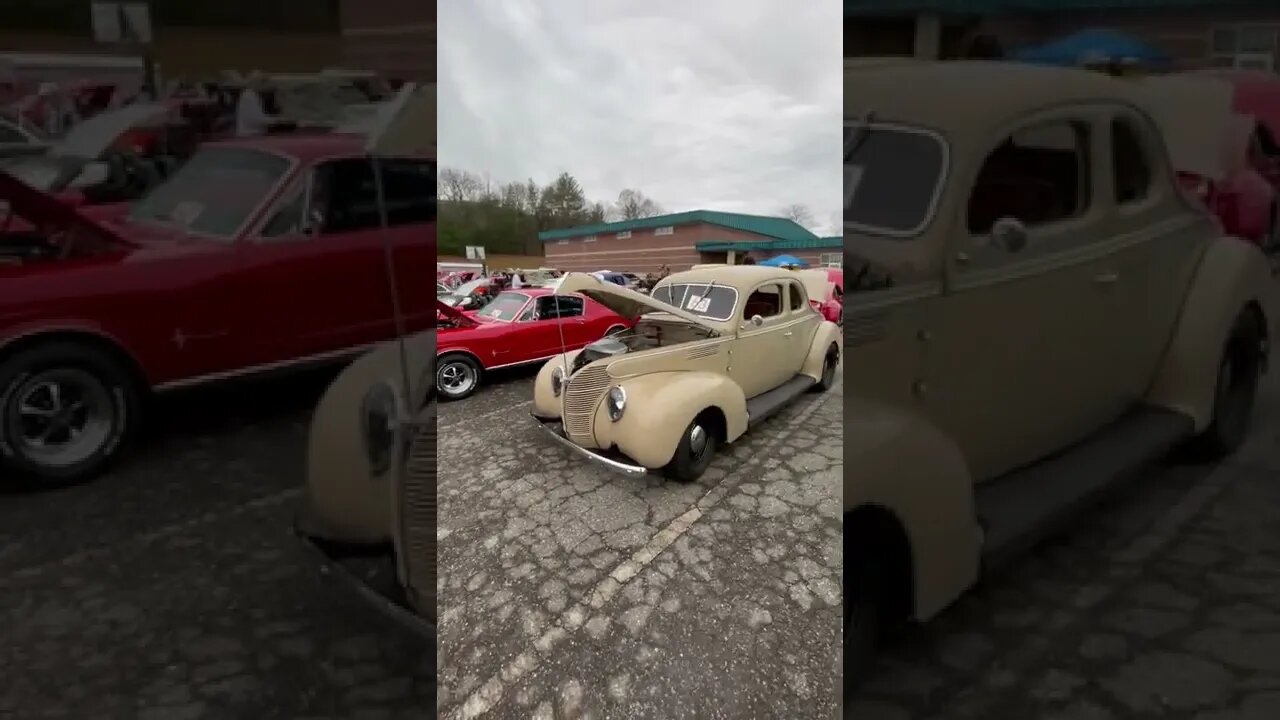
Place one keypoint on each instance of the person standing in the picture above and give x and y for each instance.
(251, 112)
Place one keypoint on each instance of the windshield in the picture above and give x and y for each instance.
(505, 308)
(215, 193)
(892, 176)
(713, 302)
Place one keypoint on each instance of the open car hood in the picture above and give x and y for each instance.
(405, 125)
(41, 208)
(1203, 132)
(624, 301)
(455, 315)
(92, 137)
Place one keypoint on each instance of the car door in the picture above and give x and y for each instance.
(316, 270)
(761, 353)
(410, 188)
(571, 315)
(802, 325)
(1014, 364)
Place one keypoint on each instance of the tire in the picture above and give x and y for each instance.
(67, 411)
(829, 365)
(694, 453)
(457, 376)
(864, 617)
(1239, 373)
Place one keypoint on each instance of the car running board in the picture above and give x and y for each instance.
(768, 403)
(1026, 506)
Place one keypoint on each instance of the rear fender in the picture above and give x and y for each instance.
(1231, 276)
(828, 334)
(904, 464)
(659, 408)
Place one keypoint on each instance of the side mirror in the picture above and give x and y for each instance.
(1010, 234)
(757, 320)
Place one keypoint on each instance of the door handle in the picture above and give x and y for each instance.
(1106, 278)
(788, 333)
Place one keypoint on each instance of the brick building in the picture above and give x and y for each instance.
(682, 240)
(1193, 33)
(191, 39)
(396, 38)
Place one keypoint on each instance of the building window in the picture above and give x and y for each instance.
(831, 259)
(589, 238)
(1248, 47)
(562, 241)
(625, 234)
(667, 230)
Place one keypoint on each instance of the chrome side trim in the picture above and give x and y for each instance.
(611, 464)
(257, 369)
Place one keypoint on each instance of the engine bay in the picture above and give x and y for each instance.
(648, 334)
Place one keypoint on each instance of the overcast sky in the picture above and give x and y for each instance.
(730, 105)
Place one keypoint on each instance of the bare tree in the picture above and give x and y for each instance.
(460, 185)
(797, 213)
(633, 205)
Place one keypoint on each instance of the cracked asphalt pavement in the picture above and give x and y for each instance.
(571, 592)
(1162, 603)
(174, 588)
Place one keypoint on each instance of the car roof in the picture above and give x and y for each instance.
(743, 277)
(965, 95)
(302, 145)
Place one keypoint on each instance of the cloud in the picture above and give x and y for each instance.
(719, 104)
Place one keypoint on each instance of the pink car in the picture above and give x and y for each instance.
(826, 292)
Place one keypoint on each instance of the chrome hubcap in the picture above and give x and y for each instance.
(62, 416)
(456, 378)
(697, 442)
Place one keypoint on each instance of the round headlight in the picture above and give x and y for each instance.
(617, 403)
(557, 380)
(379, 426)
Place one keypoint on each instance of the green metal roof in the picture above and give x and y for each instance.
(774, 227)
(814, 243)
(854, 8)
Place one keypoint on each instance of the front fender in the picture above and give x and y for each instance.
(545, 402)
(903, 463)
(659, 408)
(1231, 275)
(828, 333)
(343, 501)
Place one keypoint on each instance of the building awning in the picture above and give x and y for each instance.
(856, 8)
(817, 243)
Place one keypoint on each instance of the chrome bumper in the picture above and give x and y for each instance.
(631, 470)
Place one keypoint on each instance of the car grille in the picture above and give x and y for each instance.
(418, 516)
(581, 398)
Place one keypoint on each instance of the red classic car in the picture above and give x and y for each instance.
(826, 291)
(256, 255)
(516, 328)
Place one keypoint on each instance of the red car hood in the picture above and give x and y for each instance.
(41, 208)
(455, 315)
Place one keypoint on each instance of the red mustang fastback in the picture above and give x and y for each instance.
(256, 255)
(516, 328)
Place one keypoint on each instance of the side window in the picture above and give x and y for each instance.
(1038, 176)
(287, 219)
(546, 307)
(1129, 162)
(410, 188)
(765, 302)
(797, 297)
(344, 189)
(570, 306)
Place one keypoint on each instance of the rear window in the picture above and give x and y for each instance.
(891, 177)
(713, 302)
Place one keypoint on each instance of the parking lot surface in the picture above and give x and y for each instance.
(568, 591)
(1163, 603)
(175, 589)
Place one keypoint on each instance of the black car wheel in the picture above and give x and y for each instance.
(694, 453)
(1239, 373)
(66, 411)
(457, 376)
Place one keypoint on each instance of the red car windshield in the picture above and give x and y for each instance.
(215, 193)
(504, 308)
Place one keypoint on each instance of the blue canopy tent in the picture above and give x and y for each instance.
(1094, 46)
(784, 261)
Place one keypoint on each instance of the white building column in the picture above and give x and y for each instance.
(928, 45)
